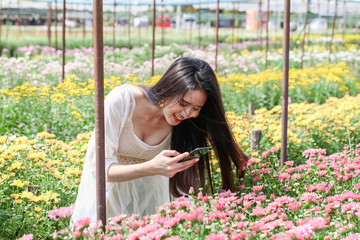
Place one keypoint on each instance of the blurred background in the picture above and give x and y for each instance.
(129, 23)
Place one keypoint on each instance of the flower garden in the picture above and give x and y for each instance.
(316, 195)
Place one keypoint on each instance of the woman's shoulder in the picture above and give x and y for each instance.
(133, 90)
(122, 91)
(122, 88)
(120, 95)
(126, 94)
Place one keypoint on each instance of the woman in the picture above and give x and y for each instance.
(184, 110)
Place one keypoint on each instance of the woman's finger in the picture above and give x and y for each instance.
(179, 157)
(170, 153)
(185, 165)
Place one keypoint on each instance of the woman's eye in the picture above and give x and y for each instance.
(182, 104)
(196, 109)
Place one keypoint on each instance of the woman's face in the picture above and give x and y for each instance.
(177, 110)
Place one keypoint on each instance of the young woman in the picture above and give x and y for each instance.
(148, 130)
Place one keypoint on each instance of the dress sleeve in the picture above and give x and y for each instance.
(119, 105)
(118, 108)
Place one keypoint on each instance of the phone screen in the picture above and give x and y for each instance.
(197, 153)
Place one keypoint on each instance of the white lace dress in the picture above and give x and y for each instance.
(140, 196)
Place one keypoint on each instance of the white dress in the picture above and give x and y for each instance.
(139, 196)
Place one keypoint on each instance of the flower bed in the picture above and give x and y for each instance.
(316, 200)
(313, 197)
(69, 109)
(42, 65)
(42, 174)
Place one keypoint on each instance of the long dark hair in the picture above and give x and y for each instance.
(210, 127)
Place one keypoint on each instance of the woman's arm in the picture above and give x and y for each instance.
(165, 163)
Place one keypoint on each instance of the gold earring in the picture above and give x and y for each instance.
(196, 115)
(162, 104)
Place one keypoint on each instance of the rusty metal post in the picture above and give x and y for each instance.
(114, 21)
(153, 38)
(304, 34)
(216, 34)
(162, 23)
(285, 82)
(237, 30)
(261, 19)
(267, 34)
(333, 29)
(49, 24)
(63, 41)
(99, 110)
(55, 21)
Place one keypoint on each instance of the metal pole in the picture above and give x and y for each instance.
(267, 33)
(217, 34)
(238, 15)
(261, 19)
(99, 110)
(178, 17)
(285, 82)
(304, 34)
(333, 28)
(162, 23)
(84, 27)
(114, 21)
(63, 41)
(153, 38)
(19, 15)
(55, 20)
(49, 24)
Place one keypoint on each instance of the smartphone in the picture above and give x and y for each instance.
(197, 153)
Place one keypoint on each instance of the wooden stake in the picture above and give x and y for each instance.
(255, 139)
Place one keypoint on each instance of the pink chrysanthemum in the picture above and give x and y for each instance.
(26, 237)
(62, 212)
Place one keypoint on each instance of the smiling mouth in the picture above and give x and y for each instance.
(177, 117)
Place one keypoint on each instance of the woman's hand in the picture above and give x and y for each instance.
(167, 163)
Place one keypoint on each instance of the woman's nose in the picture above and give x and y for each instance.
(187, 112)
